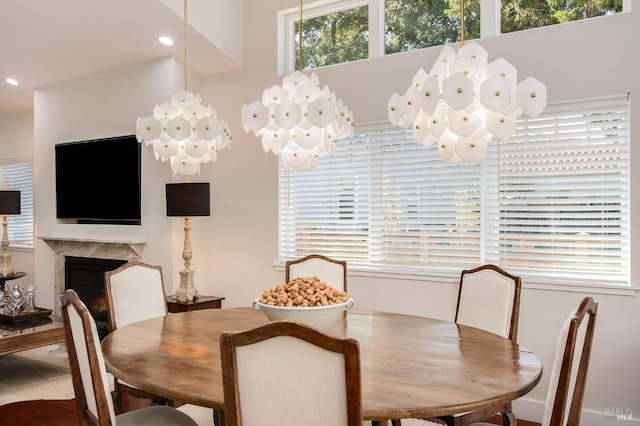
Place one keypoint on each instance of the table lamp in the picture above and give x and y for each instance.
(9, 204)
(186, 200)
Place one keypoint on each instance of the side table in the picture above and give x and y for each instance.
(31, 334)
(201, 302)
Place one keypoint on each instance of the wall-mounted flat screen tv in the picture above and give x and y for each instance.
(99, 181)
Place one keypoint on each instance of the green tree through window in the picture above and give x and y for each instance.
(334, 38)
(415, 24)
(517, 15)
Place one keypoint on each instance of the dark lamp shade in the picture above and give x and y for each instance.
(9, 202)
(188, 199)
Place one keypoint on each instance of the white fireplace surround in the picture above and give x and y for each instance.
(99, 248)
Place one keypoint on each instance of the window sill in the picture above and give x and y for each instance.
(452, 278)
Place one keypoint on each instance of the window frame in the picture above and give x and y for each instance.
(288, 19)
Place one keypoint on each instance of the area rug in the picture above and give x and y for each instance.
(41, 373)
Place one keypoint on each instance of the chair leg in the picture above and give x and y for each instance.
(158, 400)
(218, 418)
(117, 402)
(508, 418)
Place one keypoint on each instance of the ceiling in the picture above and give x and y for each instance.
(44, 42)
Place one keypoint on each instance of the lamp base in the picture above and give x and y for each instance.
(5, 265)
(186, 290)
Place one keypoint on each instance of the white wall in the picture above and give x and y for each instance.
(235, 248)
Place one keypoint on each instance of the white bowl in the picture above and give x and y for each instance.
(321, 317)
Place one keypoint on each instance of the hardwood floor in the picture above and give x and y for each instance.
(58, 412)
(39, 413)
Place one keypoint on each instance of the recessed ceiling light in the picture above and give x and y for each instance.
(11, 81)
(165, 40)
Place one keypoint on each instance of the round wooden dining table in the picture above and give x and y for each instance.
(412, 367)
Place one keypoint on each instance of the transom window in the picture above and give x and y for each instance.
(551, 204)
(337, 31)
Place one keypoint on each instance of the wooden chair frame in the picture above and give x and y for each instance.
(85, 416)
(555, 414)
(347, 346)
(342, 263)
(588, 307)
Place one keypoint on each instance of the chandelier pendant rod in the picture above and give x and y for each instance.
(186, 48)
(300, 35)
(461, 23)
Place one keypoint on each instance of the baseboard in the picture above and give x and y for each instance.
(533, 411)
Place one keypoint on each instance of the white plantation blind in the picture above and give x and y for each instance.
(564, 194)
(326, 210)
(550, 203)
(381, 201)
(425, 214)
(17, 175)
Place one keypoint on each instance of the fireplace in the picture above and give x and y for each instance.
(85, 275)
(114, 248)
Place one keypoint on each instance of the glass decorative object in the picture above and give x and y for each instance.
(15, 302)
(29, 297)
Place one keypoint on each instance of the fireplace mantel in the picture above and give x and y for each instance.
(100, 247)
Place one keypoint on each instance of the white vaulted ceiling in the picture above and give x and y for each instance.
(44, 42)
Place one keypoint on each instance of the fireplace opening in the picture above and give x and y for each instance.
(86, 276)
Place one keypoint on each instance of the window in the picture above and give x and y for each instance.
(415, 24)
(550, 203)
(333, 38)
(523, 15)
(332, 32)
(17, 174)
(338, 31)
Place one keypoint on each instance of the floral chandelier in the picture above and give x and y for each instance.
(298, 121)
(184, 131)
(464, 102)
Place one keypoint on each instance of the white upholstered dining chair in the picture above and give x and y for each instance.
(563, 404)
(90, 380)
(488, 299)
(331, 271)
(135, 292)
(569, 374)
(285, 373)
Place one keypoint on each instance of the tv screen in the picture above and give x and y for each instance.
(99, 181)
